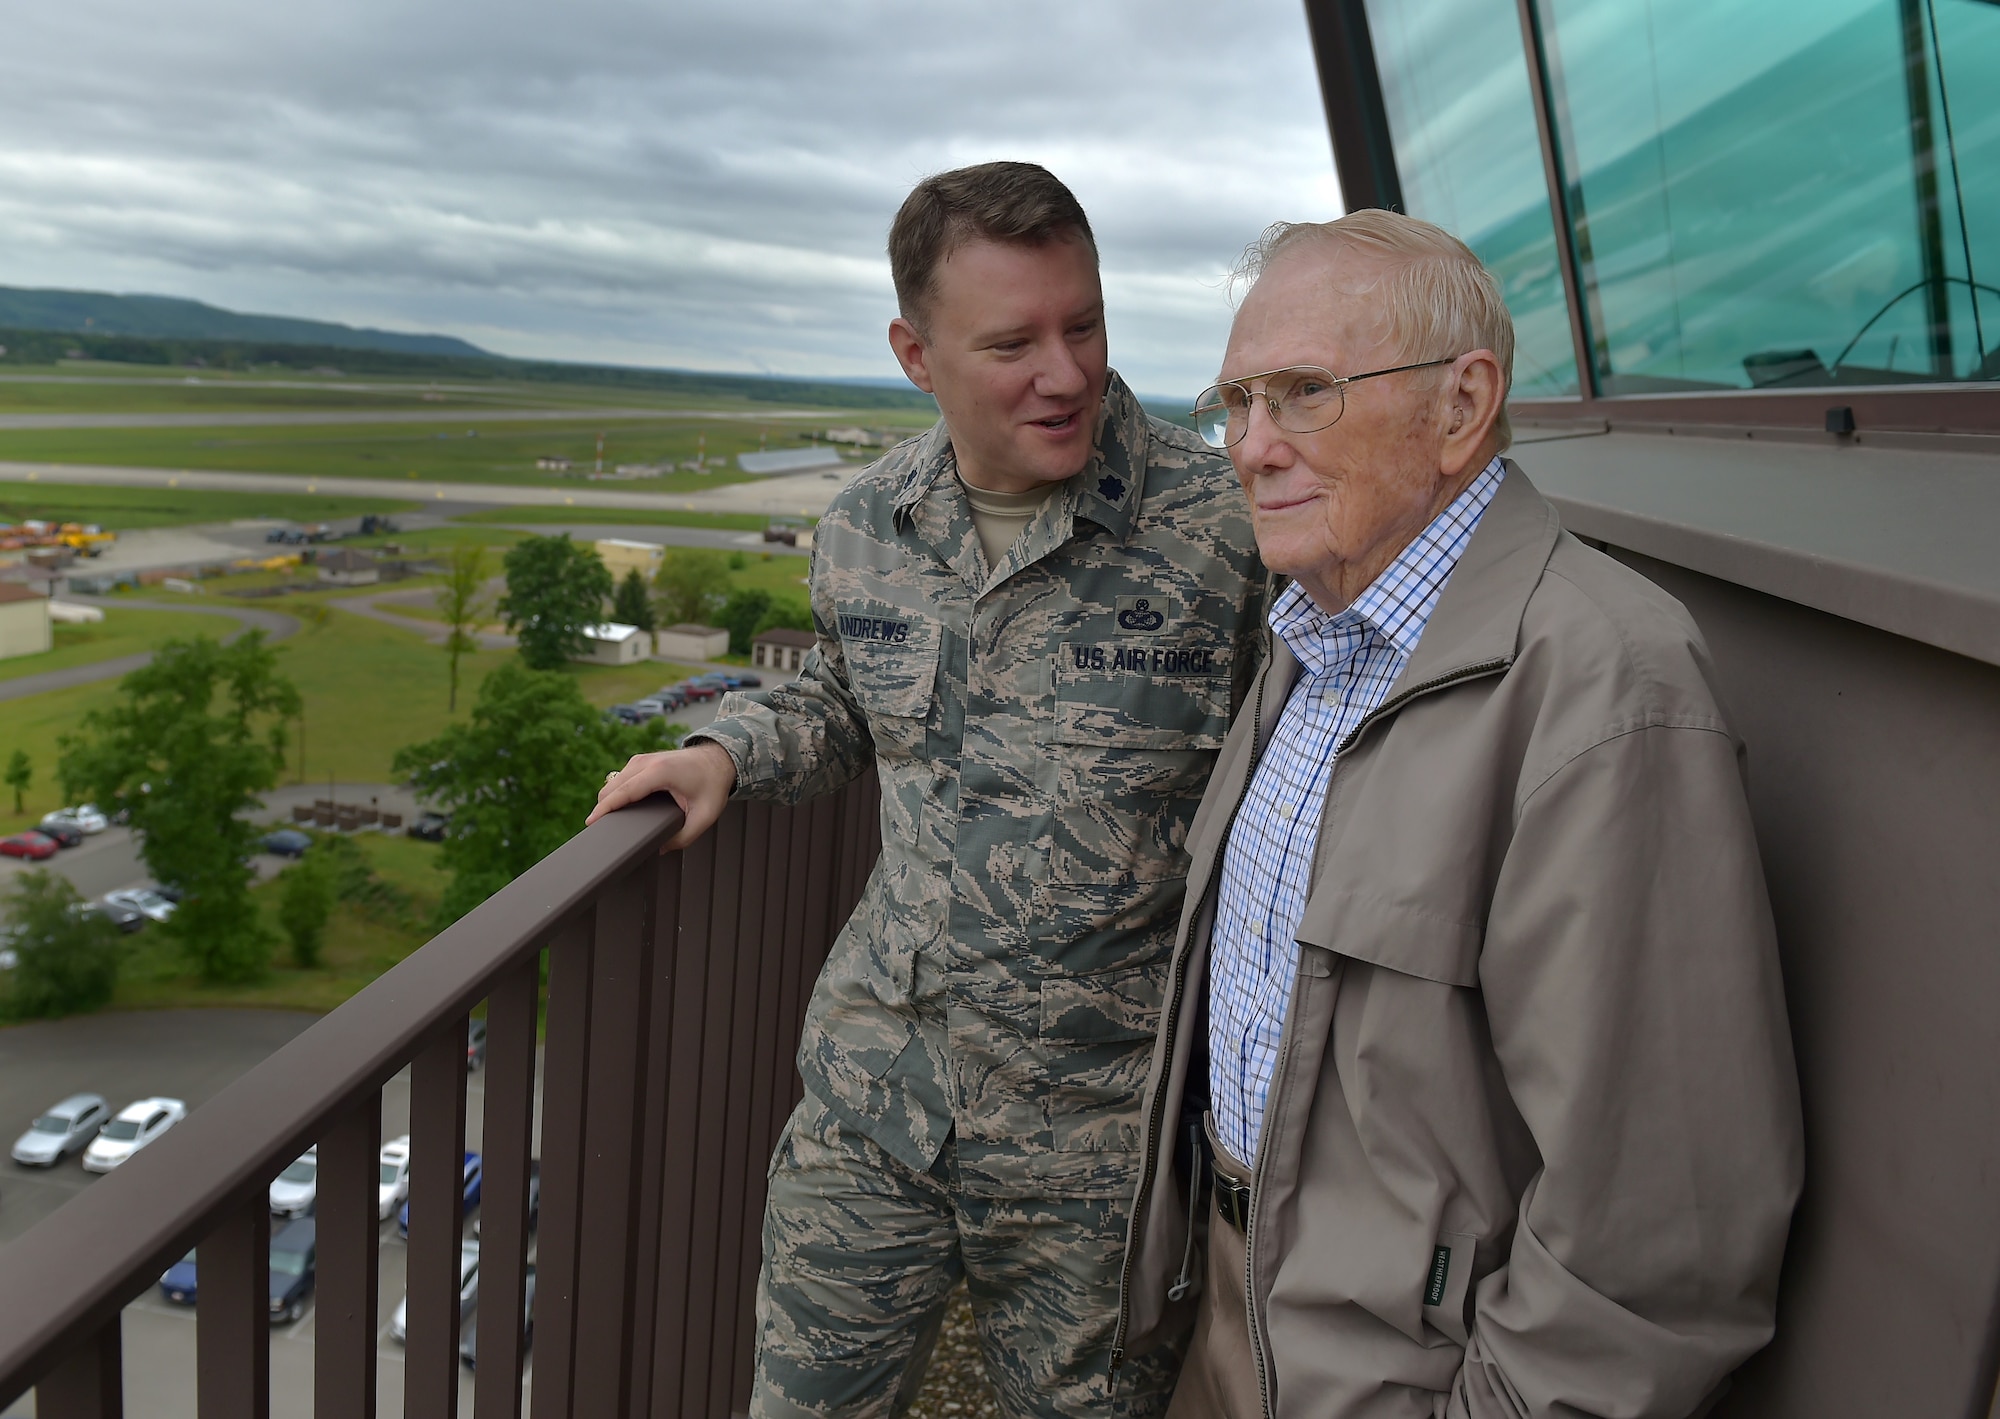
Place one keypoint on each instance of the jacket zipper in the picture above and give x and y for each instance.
(1173, 1021)
(1257, 1346)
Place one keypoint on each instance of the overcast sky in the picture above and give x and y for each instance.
(658, 183)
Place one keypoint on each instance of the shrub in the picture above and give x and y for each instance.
(66, 958)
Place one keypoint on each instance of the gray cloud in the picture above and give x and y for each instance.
(703, 186)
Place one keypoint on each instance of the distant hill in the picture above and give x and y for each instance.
(168, 318)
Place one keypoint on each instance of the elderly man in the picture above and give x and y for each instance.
(1476, 997)
(1035, 621)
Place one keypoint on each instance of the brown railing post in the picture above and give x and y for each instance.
(690, 940)
(508, 1137)
(565, 1049)
(90, 1381)
(437, 1213)
(664, 932)
(349, 1251)
(233, 1314)
(621, 961)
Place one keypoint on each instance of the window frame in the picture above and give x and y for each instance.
(1351, 90)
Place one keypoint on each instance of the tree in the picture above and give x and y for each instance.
(741, 613)
(632, 605)
(692, 583)
(66, 959)
(20, 773)
(521, 777)
(306, 905)
(192, 740)
(462, 602)
(555, 590)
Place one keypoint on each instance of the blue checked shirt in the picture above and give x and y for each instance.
(1347, 662)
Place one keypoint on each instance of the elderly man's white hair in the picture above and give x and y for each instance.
(1439, 300)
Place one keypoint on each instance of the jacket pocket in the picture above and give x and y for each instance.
(1150, 697)
(1448, 1285)
(1397, 936)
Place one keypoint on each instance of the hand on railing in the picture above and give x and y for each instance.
(700, 778)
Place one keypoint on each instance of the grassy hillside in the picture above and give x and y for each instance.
(95, 312)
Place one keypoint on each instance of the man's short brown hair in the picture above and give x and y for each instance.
(1012, 202)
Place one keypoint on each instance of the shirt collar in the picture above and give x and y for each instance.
(1397, 605)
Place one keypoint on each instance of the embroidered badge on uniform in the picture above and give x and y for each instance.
(1111, 488)
(1143, 613)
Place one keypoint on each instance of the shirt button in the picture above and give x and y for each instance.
(1288, 812)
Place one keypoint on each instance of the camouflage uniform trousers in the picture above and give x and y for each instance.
(861, 1253)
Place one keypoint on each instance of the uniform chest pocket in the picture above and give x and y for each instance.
(892, 665)
(1141, 695)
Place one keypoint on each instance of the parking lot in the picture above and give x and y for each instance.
(189, 1055)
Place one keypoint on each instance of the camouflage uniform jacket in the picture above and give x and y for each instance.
(1044, 730)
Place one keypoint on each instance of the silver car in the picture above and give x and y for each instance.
(64, 1129)
(294, 1190)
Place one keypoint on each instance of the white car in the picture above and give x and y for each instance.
(395, 1181)
(137, 1124)
(85, 818)
(143, 900)
(293, 1190)
(468, 1293)
(68, 1126)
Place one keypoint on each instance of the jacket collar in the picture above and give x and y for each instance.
(1107, 492)
(1476, 626)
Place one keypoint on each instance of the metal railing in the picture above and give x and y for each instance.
(676, 984)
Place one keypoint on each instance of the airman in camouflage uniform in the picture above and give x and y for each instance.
(976, 1048)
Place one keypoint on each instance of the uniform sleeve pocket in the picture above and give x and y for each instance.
(1397, 936)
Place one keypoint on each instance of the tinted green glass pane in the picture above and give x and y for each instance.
(1462, 123)
(1765, 194)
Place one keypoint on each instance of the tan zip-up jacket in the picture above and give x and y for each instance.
(1533, 1140)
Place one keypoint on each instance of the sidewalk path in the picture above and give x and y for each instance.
(275, 624)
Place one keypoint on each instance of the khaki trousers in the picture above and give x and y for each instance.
(1219, 1380)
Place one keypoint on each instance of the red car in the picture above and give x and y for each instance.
(30, 845)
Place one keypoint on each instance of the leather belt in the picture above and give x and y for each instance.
(1232, 1199)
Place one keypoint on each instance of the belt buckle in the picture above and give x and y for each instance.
(1232, 1199)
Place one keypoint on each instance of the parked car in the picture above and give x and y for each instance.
(673, 697)
(468, 1292)
(64, 1129)
(394, 1187)
(695, 690)
(63, 833)
(156, 905)
(474, 1175)
(468, 1345)
(125, 917)
(178, 1282)
(137, 1125)
(430, 826)
(475, 1042)
(294, 1269)
(287, 842)
(293, 1191)
(638, 712)
(84, 817)
(745, 680)
(36, 847)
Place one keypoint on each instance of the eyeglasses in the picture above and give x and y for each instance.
(1303, 399)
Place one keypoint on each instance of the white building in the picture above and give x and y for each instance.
(687, 642)
(615, 643)
(343, 567)
(780, 649)
(788, 460)
(24, 621)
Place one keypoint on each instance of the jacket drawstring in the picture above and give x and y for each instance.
(1185, 1281)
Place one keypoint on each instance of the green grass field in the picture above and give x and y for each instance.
(503, 453)
(360, 943)
(133, 509)
(123, 631)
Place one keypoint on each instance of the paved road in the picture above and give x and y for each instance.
(275, 624)
(279, 418)
(190, 1055)
(798, 494)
